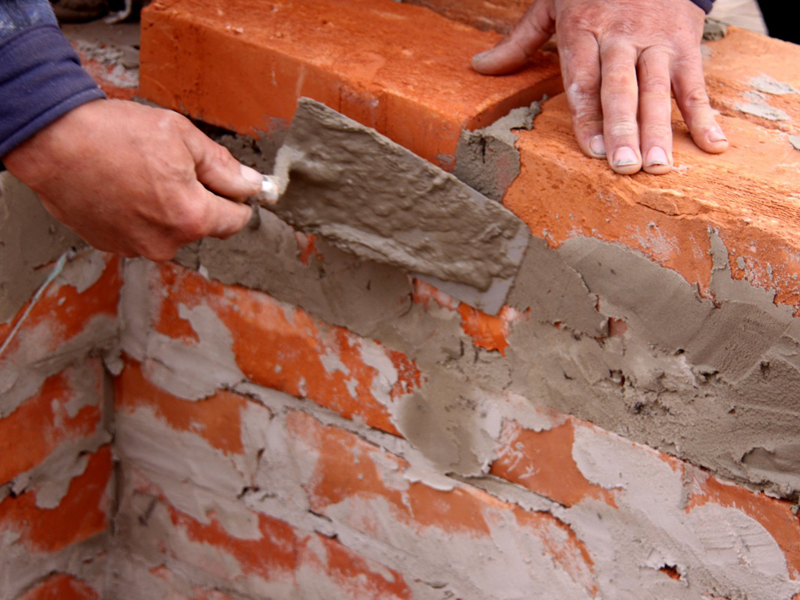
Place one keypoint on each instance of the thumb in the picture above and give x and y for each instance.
(217, 169)
(517, 46)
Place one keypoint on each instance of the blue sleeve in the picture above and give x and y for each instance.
(706, 5)
(40, 74)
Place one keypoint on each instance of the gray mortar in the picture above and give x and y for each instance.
(30, 239)
(794, 140)
(487, 159)
(767, 85)
(555, 292)
(759, 107)
(714, 30)
(341, 288)
(686, 374)
(373, 198)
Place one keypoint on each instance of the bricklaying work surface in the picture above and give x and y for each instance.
(276, 416)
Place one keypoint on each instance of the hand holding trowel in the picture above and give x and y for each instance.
(369, 196)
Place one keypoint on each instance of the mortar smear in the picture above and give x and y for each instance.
(373, 198)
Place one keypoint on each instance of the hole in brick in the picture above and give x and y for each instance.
(671, 571)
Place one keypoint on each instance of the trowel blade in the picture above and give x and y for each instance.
(371, 197)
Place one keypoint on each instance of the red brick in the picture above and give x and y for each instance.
(348, 470)
(82, 513)
(66, 312)
(499, 15)
(542, 462)
(749, 193)
(283, 554)
(400, 69)
(283, 347)
(217, 419)
(41, 424)
(61, 587)
(776, 516)
(487, 331)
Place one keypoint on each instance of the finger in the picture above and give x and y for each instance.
(217, 168)
(217, 217)
(515, 49)
(655, 110)
(580, 68)
(620, 100)
(692, 99)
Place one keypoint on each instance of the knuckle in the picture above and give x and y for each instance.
(190, 222)
(584, 89)
(659, 131)
(173, 122)
(696, 97)
(158, 253)
(658, 86)
(622, 129)
(619, 79)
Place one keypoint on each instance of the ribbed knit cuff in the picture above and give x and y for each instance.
(706, 5)
(41, 79)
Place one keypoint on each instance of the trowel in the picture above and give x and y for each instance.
(369, 196)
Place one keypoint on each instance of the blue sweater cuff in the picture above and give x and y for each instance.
(706, 5)
(41, 79)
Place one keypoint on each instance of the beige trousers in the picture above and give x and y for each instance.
(742, 13)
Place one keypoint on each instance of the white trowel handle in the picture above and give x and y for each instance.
(269, 190)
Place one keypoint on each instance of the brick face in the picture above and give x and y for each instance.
(43, 422)
(319, 502)
(409, 77)
(280, 555)
(285, 348)
(82, 513)
(482, 14)
(65, 312)
(61, 587)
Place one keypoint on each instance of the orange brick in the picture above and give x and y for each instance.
(483, 14)
(285, 348)
(218, 418)
(776, 516)
(83, 512)
(748, 193)
(282, 552)
(347, 470)
(67, 312)
(35, 429)
(61, 587)
(400, 69)
(542, 462)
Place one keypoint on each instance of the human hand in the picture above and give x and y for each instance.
(619, 60)
(134, 180)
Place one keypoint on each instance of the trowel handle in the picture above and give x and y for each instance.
(269, 190)
(267, 196)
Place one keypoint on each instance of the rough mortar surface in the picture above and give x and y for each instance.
(373, 198)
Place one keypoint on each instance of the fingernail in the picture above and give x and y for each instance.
(597, 145)
(716, 135)
(625, 157)
(481, 56)
(250, 175)
(657, 157)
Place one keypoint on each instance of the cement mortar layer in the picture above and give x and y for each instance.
(30, 239)
(375, 199)
(685, 374)
(280, 469)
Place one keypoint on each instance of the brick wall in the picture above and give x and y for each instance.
(291, 421)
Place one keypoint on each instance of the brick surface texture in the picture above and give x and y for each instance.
(167, 433)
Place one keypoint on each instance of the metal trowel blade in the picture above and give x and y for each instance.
(369, 196)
